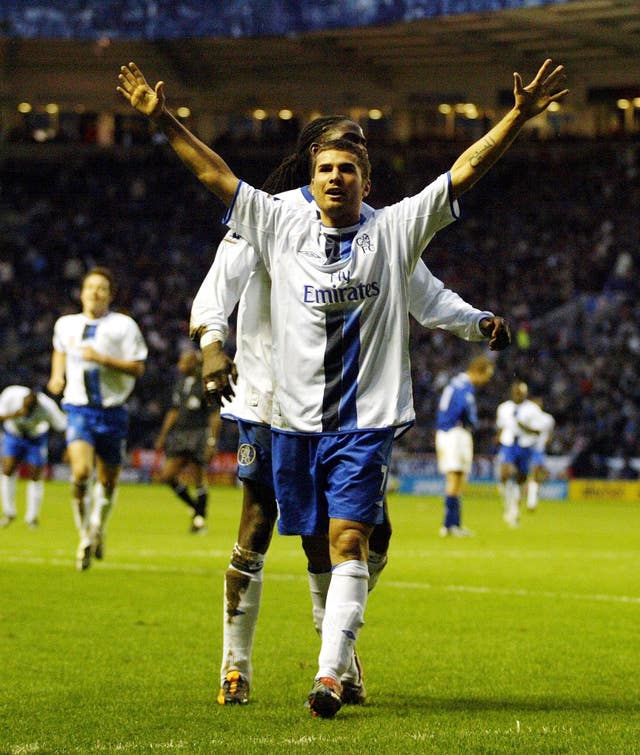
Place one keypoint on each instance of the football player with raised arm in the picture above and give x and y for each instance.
(238, 276)
(97, 356)
(26, 415)
(339, 303)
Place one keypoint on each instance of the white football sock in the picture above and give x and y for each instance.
(8, 492)
(344, 616)
(512, 501)
(532, 494)
(35, 494)
(102, 505)
(81, 511)
(318, 588)
(376, 563)
(242, 599)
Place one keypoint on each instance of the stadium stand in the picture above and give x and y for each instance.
(559, 260)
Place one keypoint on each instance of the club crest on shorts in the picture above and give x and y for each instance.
(246, 454)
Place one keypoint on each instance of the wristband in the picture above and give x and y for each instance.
(211, 336)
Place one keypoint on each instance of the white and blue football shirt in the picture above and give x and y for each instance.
(89, 383)
(44, 414)
(340, 328)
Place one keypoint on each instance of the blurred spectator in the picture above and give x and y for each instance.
(170, 19)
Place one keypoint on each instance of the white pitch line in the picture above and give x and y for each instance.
(517, 592)
(472, 589)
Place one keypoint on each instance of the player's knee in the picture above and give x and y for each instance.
(348, 543)
(81, 474)
(9, 466)
(35, 473)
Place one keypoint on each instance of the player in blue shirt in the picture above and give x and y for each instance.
(457, 417)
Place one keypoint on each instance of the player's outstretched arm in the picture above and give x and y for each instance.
(206, 164)
(529, 101)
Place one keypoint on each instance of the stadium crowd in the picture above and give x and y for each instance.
(168, 19)
(558, 259)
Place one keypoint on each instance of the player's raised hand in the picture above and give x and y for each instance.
(135, 90)
(542, 91)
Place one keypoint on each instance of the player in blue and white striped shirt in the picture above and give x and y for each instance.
(340, 335)
(97, 356)
(238, 277)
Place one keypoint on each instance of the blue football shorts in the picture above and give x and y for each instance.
(518, 456)
(28, 450)
(322, 477)
(538, 458)
(254, 453)
(105, 429)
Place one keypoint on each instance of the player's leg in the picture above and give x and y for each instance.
(509, 487)
(454, 449)
(521, 480)
(379, 547)
(536, 478)
(111, 429)
(452, 491)
(8, 481)
(81, 458)
(103, 499)
(170, 475)
(243, 578)
(316, 549)
(355, 486)
(81, 455)
(36, 458)
(199, 520)
(200, 463)
(533, 492)
(35, 495)
(344, 613)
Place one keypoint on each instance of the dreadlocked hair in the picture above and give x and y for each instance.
(294, 170)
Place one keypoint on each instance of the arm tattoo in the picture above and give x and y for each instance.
(480, 153)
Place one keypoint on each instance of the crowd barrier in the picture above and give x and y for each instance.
(414, 474)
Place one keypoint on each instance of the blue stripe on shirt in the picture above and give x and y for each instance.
(341, 367)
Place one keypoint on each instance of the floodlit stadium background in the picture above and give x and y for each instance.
(549, 240)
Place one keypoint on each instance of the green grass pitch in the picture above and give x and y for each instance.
(511, 641)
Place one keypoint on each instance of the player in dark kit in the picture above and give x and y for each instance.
(189, 436)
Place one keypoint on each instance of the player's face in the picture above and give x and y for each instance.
(95, 295)
(338, 187)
